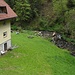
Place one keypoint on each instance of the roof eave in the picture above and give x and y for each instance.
(8, 18)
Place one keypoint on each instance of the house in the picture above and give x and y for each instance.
(6, 13)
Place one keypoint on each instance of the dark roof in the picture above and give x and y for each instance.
(10, 13)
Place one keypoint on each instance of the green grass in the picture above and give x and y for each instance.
(36, 56)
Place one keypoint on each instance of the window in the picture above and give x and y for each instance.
(3, 10)
(5, 34)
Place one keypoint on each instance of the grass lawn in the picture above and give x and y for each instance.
(36, 56)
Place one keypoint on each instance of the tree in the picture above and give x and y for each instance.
(11, 3)
(35, 6)
(70, 4)
(23, 10)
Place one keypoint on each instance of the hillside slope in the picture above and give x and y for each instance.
(36, 56)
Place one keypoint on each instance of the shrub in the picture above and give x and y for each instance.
(14, 27)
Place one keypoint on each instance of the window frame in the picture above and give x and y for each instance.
(5, 34)
(3, 10)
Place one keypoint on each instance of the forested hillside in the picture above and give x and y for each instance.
(51, 15)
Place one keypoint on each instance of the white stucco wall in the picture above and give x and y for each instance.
(1, 47)
(5, 28)
(8, 45)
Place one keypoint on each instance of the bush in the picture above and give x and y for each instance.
(14, 27)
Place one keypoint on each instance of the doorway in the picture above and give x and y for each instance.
(5, 46)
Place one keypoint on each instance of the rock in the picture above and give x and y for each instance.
(58, 40)
(39, 33)
(73, 53)
(17, 32)
(30, 36)
(3, 52)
